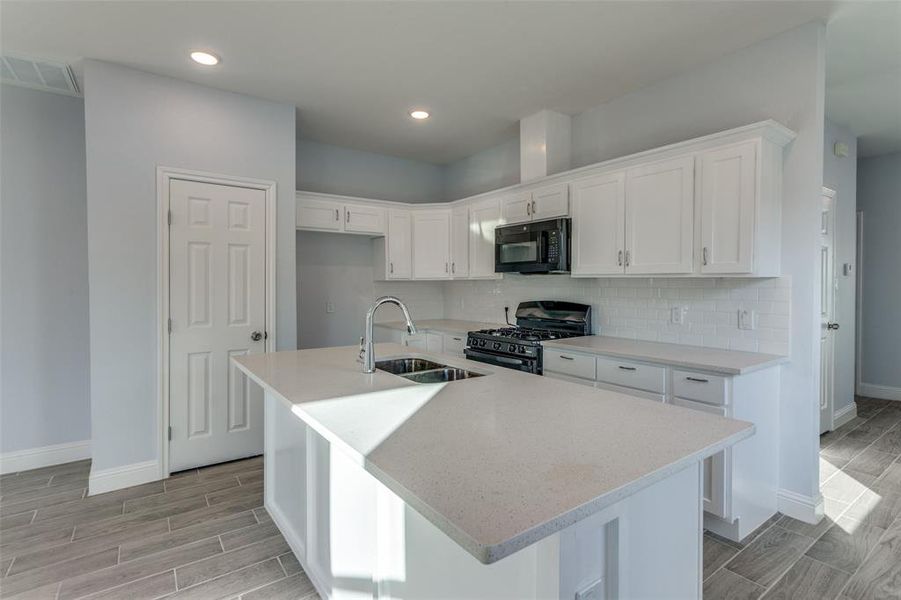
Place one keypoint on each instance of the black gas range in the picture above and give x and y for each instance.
(537, 321)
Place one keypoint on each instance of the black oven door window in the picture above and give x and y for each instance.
(518, 252)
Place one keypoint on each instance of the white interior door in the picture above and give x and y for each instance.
(827, 312)
(217, 301)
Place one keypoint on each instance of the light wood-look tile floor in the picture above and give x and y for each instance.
(199, 534)
(854, 553)
(204, 534)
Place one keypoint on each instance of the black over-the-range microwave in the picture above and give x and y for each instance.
(536, 247)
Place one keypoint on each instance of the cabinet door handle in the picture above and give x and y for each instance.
(619, 258)
(528, 208)
(697, 380)
(627, 368)
(704, 255)
(446, 269)
(453, 267)
(347, 216)
(534, 208)
(628, 258)
(565, 357)
(337, 216)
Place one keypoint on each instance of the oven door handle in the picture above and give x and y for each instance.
(501, 359)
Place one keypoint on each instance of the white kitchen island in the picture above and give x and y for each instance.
(508, 485)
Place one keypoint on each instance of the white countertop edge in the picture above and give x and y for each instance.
(684, 364)
(491, 553)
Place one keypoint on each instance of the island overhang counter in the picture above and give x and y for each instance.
(503, 485)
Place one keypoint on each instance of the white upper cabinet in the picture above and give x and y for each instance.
(431, 244)
(322, 215)
(517, 207)
(484, 217)
(550, 201)
(359, 218)
(598, 227)
(727, 202)
(460, 241)
(536, 205)
(660, 217)
(398, 245)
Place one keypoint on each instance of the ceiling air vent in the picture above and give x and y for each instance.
(38, 74)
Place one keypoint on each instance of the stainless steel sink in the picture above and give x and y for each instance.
(441, 375)
(421, 370)
(402, 366)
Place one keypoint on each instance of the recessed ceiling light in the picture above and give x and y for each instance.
(419, 115)
(204, 58)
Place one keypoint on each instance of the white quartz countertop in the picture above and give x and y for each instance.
(496, 462)
(726, 362)
(445, 325)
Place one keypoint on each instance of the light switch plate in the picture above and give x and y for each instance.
(677, 315)
(329, 307)
(747, 319)
(592, 591)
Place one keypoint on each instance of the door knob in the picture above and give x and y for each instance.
(256, 336)
(831, 325)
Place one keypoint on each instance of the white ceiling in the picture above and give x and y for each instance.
(354, 69)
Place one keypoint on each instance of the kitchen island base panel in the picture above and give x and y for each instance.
(355, 538)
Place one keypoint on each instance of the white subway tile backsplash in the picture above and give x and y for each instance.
(639, 308)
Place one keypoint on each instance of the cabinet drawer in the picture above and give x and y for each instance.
(454, 343)
(569, 363)
(699, 386)
(633, 375)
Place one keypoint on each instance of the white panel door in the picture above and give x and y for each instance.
(318, 214)
(484, 217)
(659, 214)
(728, 202)
(431, 244)
(460, 242)
(550, 201)
(599, 224)
(359, 218)
(399, 245)
(827, 313)
(517, 207)
(217, 304)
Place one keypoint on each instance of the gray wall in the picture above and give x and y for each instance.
(44, 359)
(484, 171)
(337, 268)
(336, 170)
(879, 197)
(782, 78)
(840, 174)
(135, 122)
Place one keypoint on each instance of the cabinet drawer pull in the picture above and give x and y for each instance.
(457, 339)
(336, 215)
(627, 368)
(697, 380)
(564, 357)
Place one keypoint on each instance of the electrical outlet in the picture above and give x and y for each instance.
(329, 307)
(747, 319)
(677, 315)
(592, 591)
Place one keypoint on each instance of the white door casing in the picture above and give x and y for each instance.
(827, 310)
(217, 302)
(659, 217)
(599, 214)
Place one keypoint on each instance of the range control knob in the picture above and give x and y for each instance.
(482, 343)
(497, 345)
(522, 349)
(512, 348)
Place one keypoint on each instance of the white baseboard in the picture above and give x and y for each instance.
(801, 507)
(108, 480)
(45, 456)
(844, 415)
(883, 392)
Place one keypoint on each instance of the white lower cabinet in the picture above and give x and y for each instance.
(741, 483)
(454, 343)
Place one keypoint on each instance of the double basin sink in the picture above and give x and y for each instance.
(421, 370)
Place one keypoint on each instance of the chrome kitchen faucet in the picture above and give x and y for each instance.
(367, 353)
